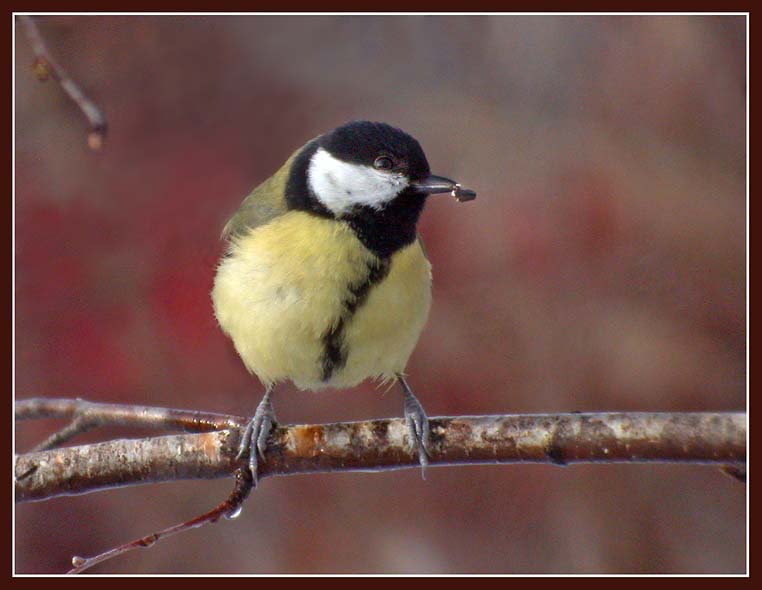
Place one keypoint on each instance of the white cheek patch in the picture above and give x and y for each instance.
(341, 185)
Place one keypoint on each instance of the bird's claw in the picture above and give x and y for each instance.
(417, 427)
(256, 434)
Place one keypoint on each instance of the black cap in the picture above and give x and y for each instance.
(362, 142)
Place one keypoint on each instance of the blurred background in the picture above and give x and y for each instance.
(602, 268)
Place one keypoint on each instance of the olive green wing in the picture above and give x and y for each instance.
(264, 203)
(423, 246)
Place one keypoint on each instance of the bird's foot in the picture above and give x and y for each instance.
(256, 434)
(417, 426)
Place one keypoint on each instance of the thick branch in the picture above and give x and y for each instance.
(718, 438)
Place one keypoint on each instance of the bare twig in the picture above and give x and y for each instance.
(85, 416)
(46, 67)
(737, 472)
(230, 508)
(711, 438)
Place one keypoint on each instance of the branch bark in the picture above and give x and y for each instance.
(210, 452)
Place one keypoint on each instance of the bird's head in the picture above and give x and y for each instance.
(372, 175)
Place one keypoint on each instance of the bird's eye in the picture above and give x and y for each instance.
(383, 163)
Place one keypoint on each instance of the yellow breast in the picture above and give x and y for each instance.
(287, 289)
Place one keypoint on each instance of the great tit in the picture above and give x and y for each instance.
(325, 281)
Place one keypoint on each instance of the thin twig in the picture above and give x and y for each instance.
(230, 508)
(79, 425)
(85, 416)
(737, 472)
(46, 67)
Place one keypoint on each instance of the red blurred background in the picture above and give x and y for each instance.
(602, 267)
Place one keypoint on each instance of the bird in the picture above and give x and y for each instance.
(325, 281)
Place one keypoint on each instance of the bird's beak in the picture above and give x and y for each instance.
(433, 185)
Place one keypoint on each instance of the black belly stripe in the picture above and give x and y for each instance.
(334, 353)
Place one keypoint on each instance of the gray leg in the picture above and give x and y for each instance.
(417, 424)
(256, 433)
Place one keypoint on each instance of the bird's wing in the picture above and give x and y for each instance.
(264, 203)
(423, 246)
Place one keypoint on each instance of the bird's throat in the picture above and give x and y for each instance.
(390, 229)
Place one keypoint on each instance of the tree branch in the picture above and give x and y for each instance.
(46, 67)
(710, 438)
